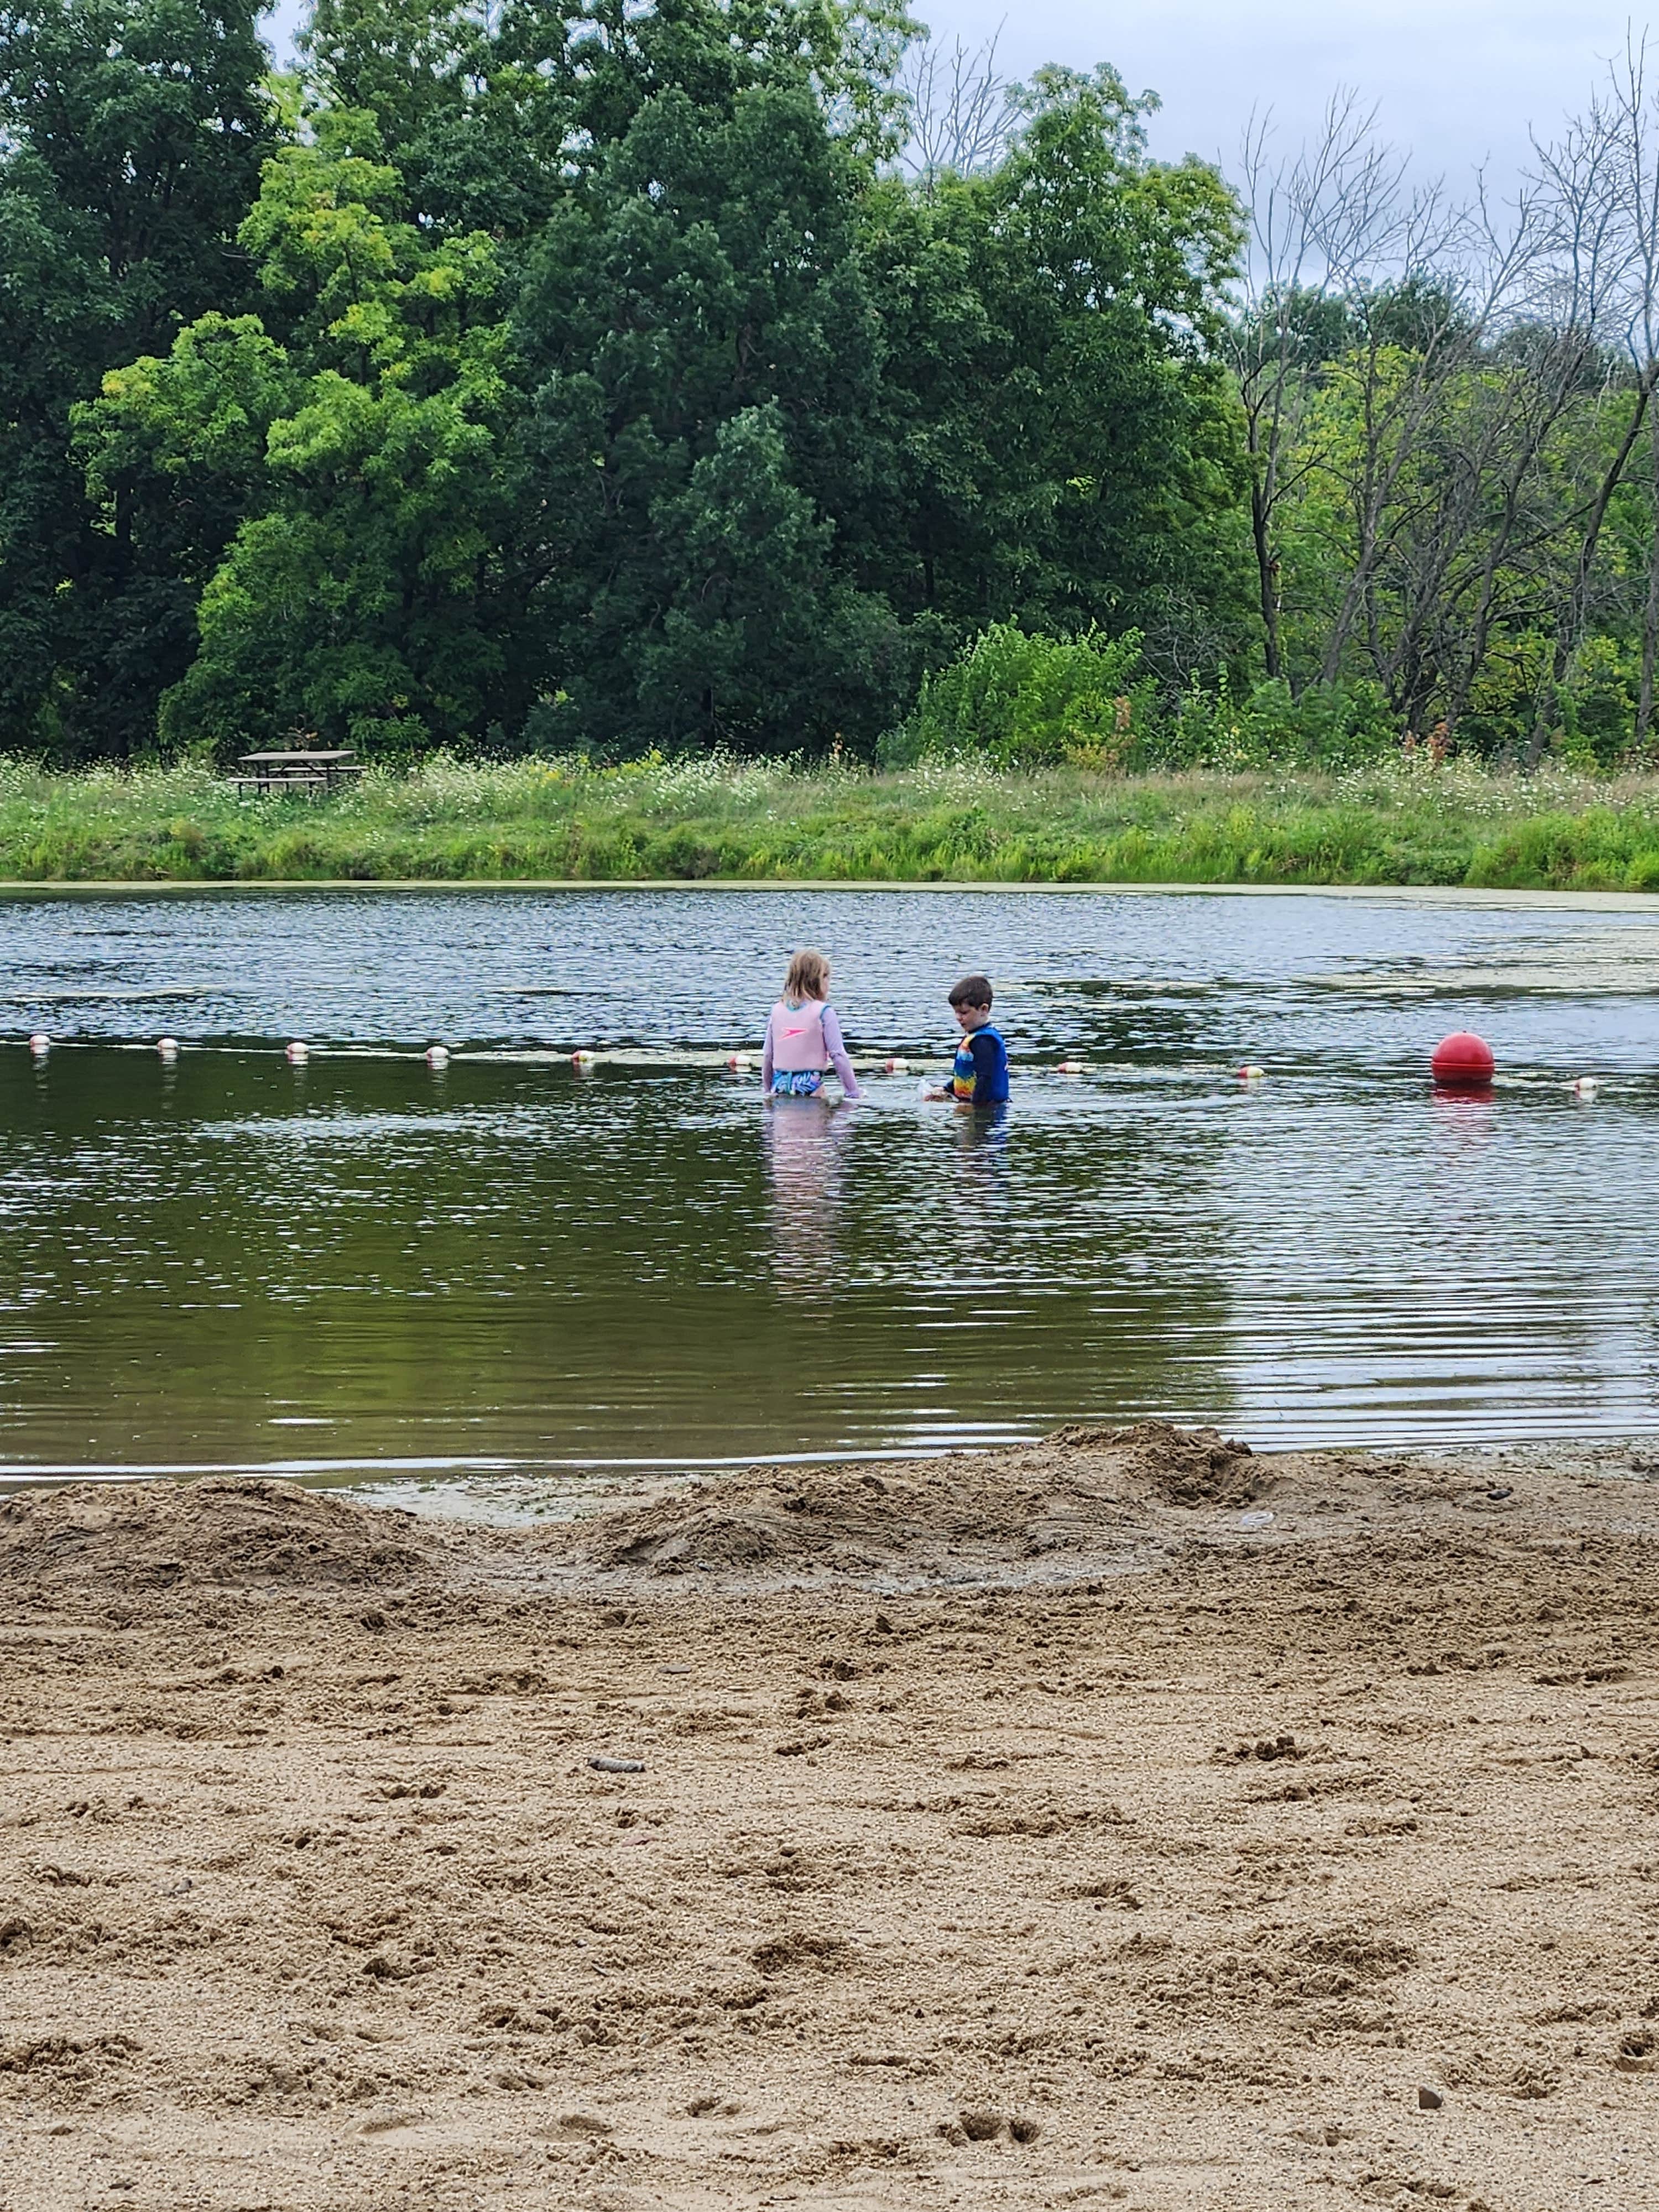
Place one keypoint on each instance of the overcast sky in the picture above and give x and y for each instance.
(1457, 81)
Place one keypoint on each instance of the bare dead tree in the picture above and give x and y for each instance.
(1462, 452)
(1472, 479)
(1418, 319)
(1567, 247)
(1330, 227)
(1463, 488)
(1282, 324)
(962, 111)
(1601, 257)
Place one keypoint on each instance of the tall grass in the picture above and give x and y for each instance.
(1395, 822)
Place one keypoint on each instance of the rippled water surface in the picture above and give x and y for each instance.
(362, 1264)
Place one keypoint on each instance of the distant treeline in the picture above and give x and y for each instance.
(747, 375)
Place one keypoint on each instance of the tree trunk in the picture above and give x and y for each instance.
(1650, 611)
(1266, 569)
(1569, 631)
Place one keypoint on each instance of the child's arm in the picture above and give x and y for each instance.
(765, 1059)
(837, 1052)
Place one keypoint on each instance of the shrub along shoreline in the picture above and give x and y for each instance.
(1398, 823)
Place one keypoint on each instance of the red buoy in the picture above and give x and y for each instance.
(1462, 1062)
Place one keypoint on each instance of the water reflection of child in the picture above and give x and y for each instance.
(803, 1037)
(979, 1077)
(982, 1153)
(804, 1139)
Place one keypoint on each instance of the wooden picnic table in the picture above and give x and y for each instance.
(312, 769)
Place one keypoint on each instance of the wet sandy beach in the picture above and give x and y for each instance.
(1122, 1820)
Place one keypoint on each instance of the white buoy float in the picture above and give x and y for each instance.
(583, 1059)
(167, 1047)
(1071, 1067)
(1586, 1086)
(739, 1063)
(1248, 1074)
(298, 1053)
(437, 1055)
(895, 1066)
(40, 1044)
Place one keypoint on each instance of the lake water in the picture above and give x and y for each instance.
(511, 1267)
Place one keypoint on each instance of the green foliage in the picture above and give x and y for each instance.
(131, 133)
(363, 455)
(582, 377)
(1329, 726)
(714, 815)
(1437, 529)
(1598, 706)
(1065, 452)
(1027, 701)
(591, 379)
(698, 342)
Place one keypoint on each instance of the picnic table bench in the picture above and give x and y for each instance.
(309, 771)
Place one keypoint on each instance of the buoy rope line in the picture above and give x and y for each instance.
(1455, 1067)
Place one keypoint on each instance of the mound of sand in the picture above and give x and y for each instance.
(1062, 1497)
(1182, 1467)
(158, 1536)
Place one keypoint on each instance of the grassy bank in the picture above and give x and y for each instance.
(1393, 823)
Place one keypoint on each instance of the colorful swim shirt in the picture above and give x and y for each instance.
(979, 1077)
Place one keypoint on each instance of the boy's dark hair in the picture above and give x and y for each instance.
(972, 991)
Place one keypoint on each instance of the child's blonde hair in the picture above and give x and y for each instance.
(808, 976)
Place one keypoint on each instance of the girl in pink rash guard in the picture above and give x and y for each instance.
(803, 1038)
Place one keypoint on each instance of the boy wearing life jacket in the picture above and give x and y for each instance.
(979, 1077)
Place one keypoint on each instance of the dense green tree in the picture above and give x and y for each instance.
(479, 139)
(1069, 450)
(696, 310)
(354, 599)
(999, 399)
(131, 134)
